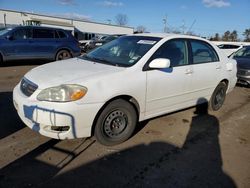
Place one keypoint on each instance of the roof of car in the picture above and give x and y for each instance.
(39, 27)
(168, 35)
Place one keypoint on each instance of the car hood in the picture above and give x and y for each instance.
(243, 63)
(72, 71)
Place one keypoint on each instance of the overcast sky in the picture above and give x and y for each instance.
(206, 16)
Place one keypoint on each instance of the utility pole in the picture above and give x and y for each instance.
(189, 30)
(4, 20)
(183, 27)
(165, 24)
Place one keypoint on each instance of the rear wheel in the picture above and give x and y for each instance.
(218, 97)
(116, 123)
(63, 54)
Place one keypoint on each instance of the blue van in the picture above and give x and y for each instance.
(35, 42)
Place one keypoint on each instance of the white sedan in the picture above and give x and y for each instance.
(133, 78)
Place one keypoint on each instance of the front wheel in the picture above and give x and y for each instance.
(218, 97)
(63, 54)
(116, 123)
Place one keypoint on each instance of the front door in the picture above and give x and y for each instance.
(168, 89)
(19, 45)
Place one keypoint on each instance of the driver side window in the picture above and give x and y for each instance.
(22, 34)
(175, 51)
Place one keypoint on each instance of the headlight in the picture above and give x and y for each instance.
(62, 93)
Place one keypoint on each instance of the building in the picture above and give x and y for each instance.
(82, 30)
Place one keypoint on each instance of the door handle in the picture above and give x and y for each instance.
(218, 67)
(188, 71)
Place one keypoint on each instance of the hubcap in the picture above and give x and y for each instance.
(219, 97)
(63, 55)
(115, 123)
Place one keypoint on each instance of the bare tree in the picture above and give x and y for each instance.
(141, 29)
(121, 19)
(191, 33)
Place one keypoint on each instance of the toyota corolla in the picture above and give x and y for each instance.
(133, 78)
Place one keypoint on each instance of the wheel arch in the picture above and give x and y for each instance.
(127, 98)
(226, 81)
(63, 48)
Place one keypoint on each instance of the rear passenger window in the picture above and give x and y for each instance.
(61, 34)
(43, 33)
(203, 53)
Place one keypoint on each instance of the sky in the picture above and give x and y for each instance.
(202, 17)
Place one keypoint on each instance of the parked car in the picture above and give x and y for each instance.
(33, 42)
(242, 57)
(228, 49)
(99, 42)
(130, 79)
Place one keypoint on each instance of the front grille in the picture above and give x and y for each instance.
(28, 87)
(242, 72)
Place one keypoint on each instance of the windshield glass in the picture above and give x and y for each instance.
(124, 51)
(242, 53)
(109, 38)
(4, 31)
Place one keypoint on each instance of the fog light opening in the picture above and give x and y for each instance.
(60, 128)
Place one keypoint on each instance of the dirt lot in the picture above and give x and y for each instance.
(189, 148)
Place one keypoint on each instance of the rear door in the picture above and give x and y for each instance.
(206, 69)
(45, 42)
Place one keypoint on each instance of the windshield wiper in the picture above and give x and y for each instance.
(101, 60)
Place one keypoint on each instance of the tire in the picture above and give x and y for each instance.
(218, 97)
(116, 123)
(63, 54)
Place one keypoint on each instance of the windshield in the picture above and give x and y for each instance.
(109, 38)
(124, 51)
(242, 53)
(4, 31)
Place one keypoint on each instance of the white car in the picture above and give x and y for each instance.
(133, 78)
(229, 49)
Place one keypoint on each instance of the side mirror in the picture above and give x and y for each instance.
(159, 63)
(9, 37)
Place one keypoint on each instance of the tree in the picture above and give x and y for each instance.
(141, 29)
(121, 19)
(233, 36)
(216, 37)
(247, 35)
(226, 36)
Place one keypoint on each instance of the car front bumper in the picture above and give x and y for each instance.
(56, 120)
